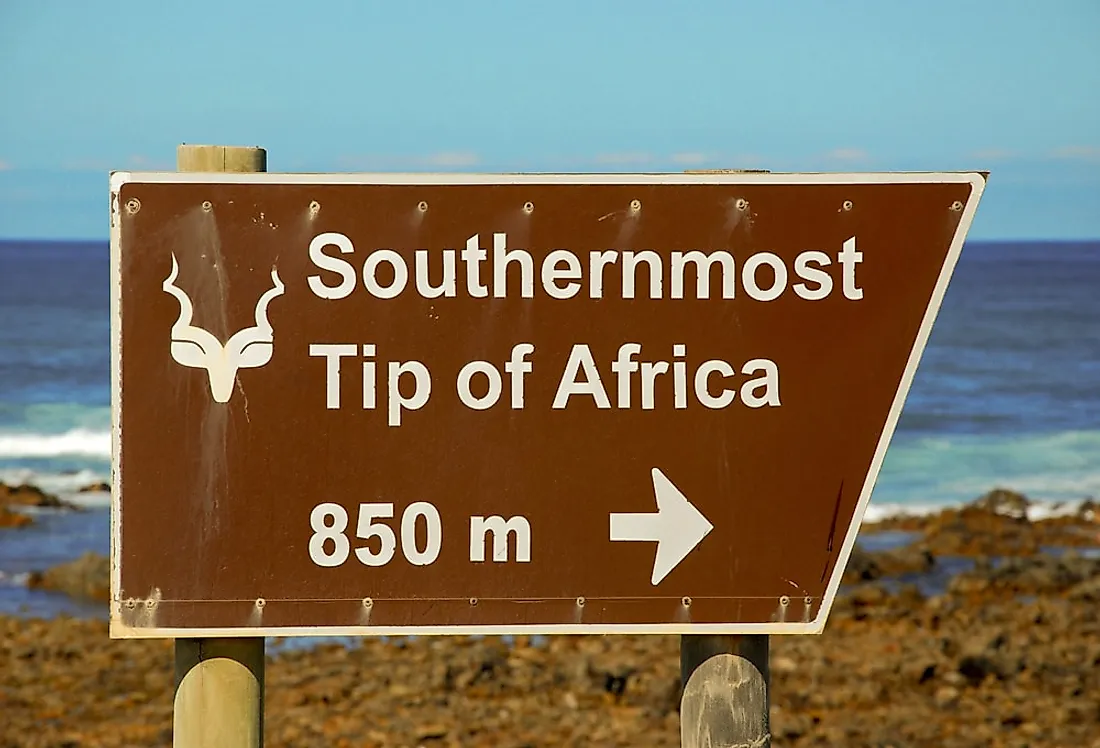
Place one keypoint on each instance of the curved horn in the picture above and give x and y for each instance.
(169, 285)
(261, 306)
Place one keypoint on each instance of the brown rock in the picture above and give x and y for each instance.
(1087, 591)
(862, 566)
(995, 524)
(8, 518)
(27, 495)
(946, 696)
(431, 732)
(868, 566)
(1004, 502)
(782, 665)
(100, 487)
(1042, 574)
(87, 577)
(1089, 510)
(991, 672)
(976, 668)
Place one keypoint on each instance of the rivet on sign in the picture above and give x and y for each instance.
(686, 601)
(422, 206)
(473, 601)
(808, 600)
(528, 207)
(133, 205)
(957, 205)
(580, 602)
(314, 208)
(260, 602)
(742, 203)
(847, 205)
(206, 206)
(131, 603)
(635, 206)
(367, 602)
(784, 601)
(150, 604)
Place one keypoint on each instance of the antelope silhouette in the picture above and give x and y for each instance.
(246, 349)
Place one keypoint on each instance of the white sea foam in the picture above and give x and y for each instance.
(921, 475)
(56, 483)
(878, 512)
(89, 499)
(76, 443)
(1036, 510)
(13, 579)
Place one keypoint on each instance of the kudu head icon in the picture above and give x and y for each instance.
(195, 347)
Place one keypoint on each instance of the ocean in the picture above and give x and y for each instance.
(1007, 394)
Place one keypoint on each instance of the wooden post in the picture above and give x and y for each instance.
(220, 158)
(219, 693)
(726, 694)
(725, 699)
(219, 700)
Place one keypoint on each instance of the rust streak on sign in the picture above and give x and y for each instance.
(509, 403)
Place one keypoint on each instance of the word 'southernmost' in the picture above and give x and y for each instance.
(763, 276)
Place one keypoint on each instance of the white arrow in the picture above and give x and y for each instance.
(677, 526)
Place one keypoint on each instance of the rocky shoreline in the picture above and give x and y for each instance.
(15, 500)
(982, 628)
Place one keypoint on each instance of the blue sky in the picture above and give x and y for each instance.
(1010, 87)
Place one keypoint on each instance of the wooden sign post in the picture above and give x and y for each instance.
(726, 691)
(219, 696)
(414, 404)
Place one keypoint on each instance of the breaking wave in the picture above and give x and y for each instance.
(77, 442)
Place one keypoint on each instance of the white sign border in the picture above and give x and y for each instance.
(119, 630)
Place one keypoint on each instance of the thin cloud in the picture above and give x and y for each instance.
(133, 161)
(367, 162)
(691, 158)
(993, 154)
(848, 155)
(1089, 153)
(622, 159)
(442, 160)
(450, 159)
(144, 162)
(85, 164)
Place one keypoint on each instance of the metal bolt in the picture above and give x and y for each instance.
(742, 203)
(206, 206)
(528, 207)
(260, 602)
(422, 206)
(133, 205)
(808, 600)
(580, 602)
(131, 603)
(847, 205)
(686, 602)
(473, 601)
(635, 206)
(150, 604)
(367, 602)
(957, 206)
(784, 601)
(314, 207)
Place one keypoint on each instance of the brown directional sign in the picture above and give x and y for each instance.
(371, 404)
